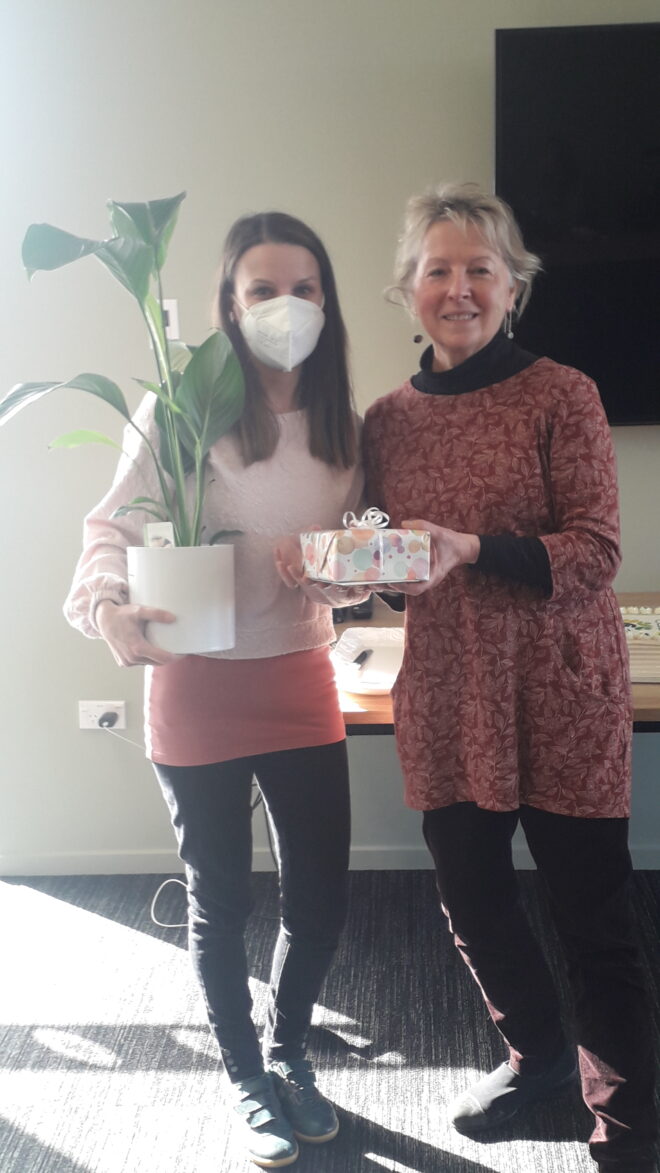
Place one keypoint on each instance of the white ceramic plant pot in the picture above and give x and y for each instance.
(195, 583)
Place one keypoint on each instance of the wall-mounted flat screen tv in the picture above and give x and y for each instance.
(578, 159)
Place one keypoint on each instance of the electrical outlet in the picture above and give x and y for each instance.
(171, 308)
(90, 714)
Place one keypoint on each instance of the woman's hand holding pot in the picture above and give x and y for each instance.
(122, 627)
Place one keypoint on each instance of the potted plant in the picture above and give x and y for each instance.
(199, 397)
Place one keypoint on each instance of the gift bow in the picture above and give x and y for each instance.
(371, 519)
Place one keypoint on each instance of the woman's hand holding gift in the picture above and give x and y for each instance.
(448, 550)
(289, 560)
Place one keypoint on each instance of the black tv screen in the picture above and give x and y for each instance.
(578, 159)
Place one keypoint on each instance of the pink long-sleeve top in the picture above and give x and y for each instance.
(197, 708)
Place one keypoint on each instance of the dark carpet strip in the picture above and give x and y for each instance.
(399, 1022)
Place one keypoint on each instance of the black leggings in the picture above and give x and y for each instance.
(306, 795)
(585, 866)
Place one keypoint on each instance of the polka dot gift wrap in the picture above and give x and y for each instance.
(366, 551)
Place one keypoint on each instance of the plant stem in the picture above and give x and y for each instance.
(199, 493)
(165, 376)
(164, 488)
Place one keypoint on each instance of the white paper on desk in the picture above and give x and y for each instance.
(379, 671)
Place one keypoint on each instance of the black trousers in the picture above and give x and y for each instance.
(585, 866)
(306, 795)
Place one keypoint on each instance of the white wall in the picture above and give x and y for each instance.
(333, 111)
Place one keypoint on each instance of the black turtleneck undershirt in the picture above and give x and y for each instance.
(521, 559)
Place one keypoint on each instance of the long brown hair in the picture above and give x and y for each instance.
(324, 389)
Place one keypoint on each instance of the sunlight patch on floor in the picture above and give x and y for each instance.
(342, 1025)
(72, 966)
(144, 1138)
(75, 1047)
(201, 1042)
(389, 1163)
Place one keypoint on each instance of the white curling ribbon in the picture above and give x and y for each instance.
(371, 519)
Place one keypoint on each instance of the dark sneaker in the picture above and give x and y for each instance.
(310, 1115)
(266, 1133)
(499, 1096)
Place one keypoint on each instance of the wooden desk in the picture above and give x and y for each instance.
(373, 714)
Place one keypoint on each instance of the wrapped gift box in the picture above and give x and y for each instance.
(366, 551)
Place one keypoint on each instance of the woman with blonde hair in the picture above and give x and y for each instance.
(513, 703)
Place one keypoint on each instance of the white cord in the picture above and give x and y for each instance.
(121, 737)
(161, 924)
(184, 924)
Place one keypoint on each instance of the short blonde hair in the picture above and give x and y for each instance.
(464, 204)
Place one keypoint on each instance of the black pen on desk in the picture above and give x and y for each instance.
(363, 657)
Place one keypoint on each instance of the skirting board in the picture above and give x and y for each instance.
(166, 862)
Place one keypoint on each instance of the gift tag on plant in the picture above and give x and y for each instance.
(159, 533)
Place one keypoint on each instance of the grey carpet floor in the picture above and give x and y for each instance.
(107, 1065)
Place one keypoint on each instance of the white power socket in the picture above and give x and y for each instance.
(90, 714)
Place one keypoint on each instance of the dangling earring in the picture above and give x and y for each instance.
(418, 337)
(507, 324)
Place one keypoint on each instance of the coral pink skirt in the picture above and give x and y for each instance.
(200, 710)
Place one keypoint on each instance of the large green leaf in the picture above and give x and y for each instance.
(185, 445)
(104, 388)
(152, 222)
(24, 393)
(161, 393)
(154, 318)
(180, 354)
(20, 396)
(47, 247)
(223, 535)
(212, 391)
(158, 509)
(131, 262)
(144, 501)
(83, 436)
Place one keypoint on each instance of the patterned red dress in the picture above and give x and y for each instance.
(507, 697)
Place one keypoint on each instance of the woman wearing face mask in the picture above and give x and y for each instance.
(268, 708)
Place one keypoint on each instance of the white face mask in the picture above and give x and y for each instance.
(283, 331)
